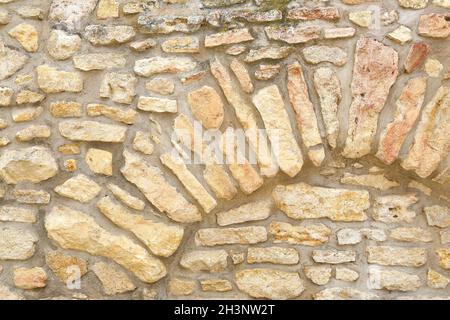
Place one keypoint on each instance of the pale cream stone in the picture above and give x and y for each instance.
(267, 71)
(181, 287)
(346, 274)
(413, 4)
(269, 283)
(27, 96)
(114, 281)
(17, 243)
(202, 260)
(5, 17)
(411, 235)
(319, 275)
(394, 208)
(17, 214)
(443, 177)
(28, 279)
(268, 52)
(308, 235)
(319, 54)
(92, 131)
(361, 18)
(442, 3)
(293, 34)
(69, 148)
(241, 73)
(222, 236)
(33, 132)
(431, 137)
(23, 79)
(337, 33)
(33, 164)
(219, 181)
(247, 118)
(275, 255)
(444, 258)
(228, 37)
(6, 96)
(181, 45)
(445, 236)
(206, 106)
(76, 230)
(62, 45)
(253, 211)
(433, 67)
(107, 9)
(79, 188)
(343, 294)
(396, 256)
(353, 236)
(377, 181)
(302, 201)
(142, 142)
(437, 216)
(270, 105)
(99, 161)
(119, 87)
(401, 35)
(31, 12)
(436, 280)
(99, 61)
(392, 280)
(127, 116)
(151, 182)
(26, 35)
(216, 285)
(31, 196)
(26, 114)
(52, 80)
(189, 181)
(142, 45)
(65, 266)
(103, 35)
(236, 49)
(154, 104)
(304, 112)
(11, 61)
(66, 109)
(156, 65)
(161, 86)
(126, 198)
(328, 88)
(333, 256)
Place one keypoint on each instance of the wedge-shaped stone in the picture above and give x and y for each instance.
(438, 216)
(434, 25)
(222, 236)
(102, 35)
(33, 164)
(269, 283)
(228, 37)
(17, 243)
(219, 181)
(247, 117)
(344, 294)
(125, 115)
(275, 255)
(156, 65)
(202, 260)
(241, 73)
(99, 61)
(444, 258)
(307, 235)
(11, 61)
(79, 188)
(319, 54)
(114, 280)
(27, 96)
(17, 214)
(92, 131)
(304, 112)
(376, 66)
(408, 108)
(411, 235)
(270, 105)
(161, 239)
(62, 45)
(397, 256)
(65, 266)
(417, 54)
(392, 280)
(328, 87)
(71, 13)
(206, 106)
(377, 181)
(76, 230)
(119, 87)
(293, 34)
(302, 201)
(394, 208)
(29, 278)
(353, 236)
(268, 52)
(189, 181)
(432, 137)
(52, 80)
(151, 182)
(333, 256)
(33, 132)
(126, 198)
(26, 35)
(253, 211)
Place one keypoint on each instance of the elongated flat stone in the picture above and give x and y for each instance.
(270, 105)
(241, 73)
(77, 130)
(17, 243)
(334, 256)
(397, 256)
(392, 280)
(126, 198)
(292, 35)
(303, 201)
(377, 181)
(304, 111)
(275, 255)
(52, 80)
(17, 214)
(408, 108)
(268, 52)
(151, 182)
(253, 211)
(308, 235)
(99, 61)
(394, 208)
(411, 235)
(155, 65)
(328, 88)
(76, 230)
(344, 294)
(103, 35)
(125, 115)
(222, 236)
(317, 13)
(151, 23)
(228, 37)
(432, 136)
(205, 260)
(376, 66)
(162, 239)
(319, 54)
(246, 116)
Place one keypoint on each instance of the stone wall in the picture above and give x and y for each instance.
(353, 203)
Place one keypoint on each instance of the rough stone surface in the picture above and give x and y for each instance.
(17, 243)
(309, 235)
(113, 280)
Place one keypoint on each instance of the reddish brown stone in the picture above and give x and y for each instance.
(434, 25)
(322, 13)
(417, 54)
